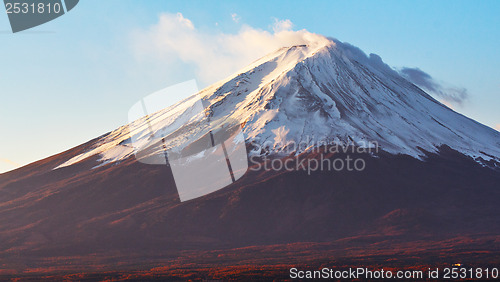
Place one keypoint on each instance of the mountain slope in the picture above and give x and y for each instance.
(96, 206)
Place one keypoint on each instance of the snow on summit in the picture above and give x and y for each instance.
(319, 91)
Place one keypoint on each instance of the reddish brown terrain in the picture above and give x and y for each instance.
(126, 221)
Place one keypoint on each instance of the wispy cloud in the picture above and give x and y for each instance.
(214, 54)
(12, 163)
(447, 104)
(235, 18)
(449, 95)
(6, 165)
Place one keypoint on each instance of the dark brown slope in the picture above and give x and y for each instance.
(130, 212)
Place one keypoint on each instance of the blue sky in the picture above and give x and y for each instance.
(73, 79)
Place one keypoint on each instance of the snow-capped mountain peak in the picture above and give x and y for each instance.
(325, 91)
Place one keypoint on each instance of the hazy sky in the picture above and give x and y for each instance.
(73, 79)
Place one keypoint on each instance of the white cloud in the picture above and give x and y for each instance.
(9, 162)
(214, 54)
(6, 165)
(183, 21)
(282, 25)
(235, 18)
(497, 127)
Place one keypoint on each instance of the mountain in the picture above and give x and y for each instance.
(320, 92)
(433, 180)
